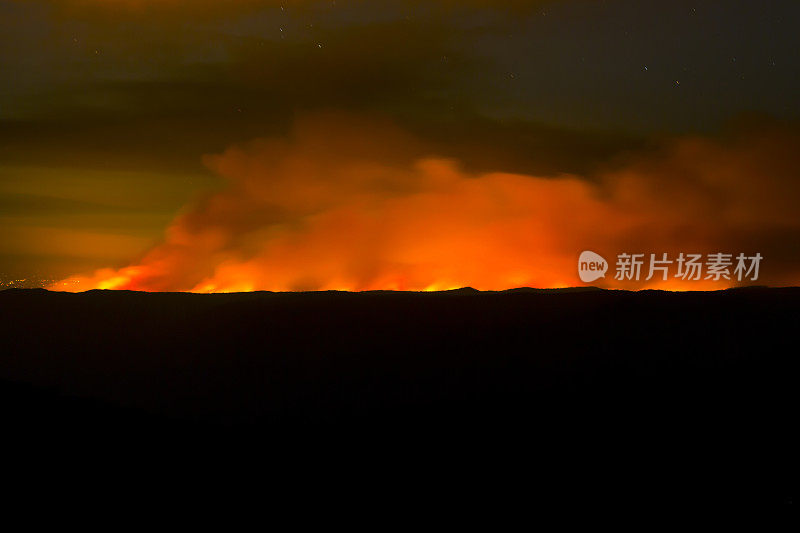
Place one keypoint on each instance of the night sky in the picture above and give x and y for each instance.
(238, 145)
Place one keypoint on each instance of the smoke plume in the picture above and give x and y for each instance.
(349, 203)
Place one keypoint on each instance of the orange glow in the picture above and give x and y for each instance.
(339, 206)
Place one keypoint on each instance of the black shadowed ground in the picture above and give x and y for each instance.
(650, 394)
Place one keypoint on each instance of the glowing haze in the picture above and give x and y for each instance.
(351, 203)
(201, 145)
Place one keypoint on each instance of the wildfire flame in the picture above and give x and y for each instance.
(345, 204)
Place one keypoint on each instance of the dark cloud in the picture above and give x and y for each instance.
(536, 88)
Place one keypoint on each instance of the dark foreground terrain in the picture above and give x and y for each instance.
(576, 396)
